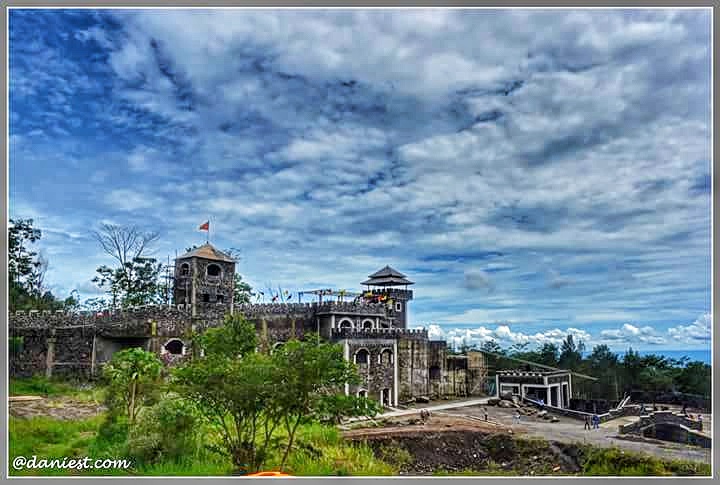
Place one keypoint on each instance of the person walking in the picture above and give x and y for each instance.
(484, 410)
(587, 423)
(516, 418)
(596, 421)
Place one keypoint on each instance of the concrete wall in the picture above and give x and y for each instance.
(413, 369)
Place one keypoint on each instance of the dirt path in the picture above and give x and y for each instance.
(55, 407)
(435, 424)
(568, 430)
(430, 407)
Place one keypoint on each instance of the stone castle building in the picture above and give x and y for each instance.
(397, 364)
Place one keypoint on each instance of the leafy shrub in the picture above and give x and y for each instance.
(133, 379)
(167, 431)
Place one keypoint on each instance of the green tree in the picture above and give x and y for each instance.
(313, 374)
(242, 291)
(549, 355)
(136, 283)
(26, 270)
(133, 377)
(571, 353)
(22, 260)
(656, 380)
(234, 388)
(632, 366)
(602, 363)
(493, 347)
(240, 397)
(695, 378)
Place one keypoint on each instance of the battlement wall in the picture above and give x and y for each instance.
(62, 318)
(260, 309)
(404, 333)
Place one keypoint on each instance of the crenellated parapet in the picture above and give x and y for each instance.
(260, 309)
(130, 317)
(378, 309)
(305, 309)
(405, 333)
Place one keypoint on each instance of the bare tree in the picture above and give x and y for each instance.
(124, 243)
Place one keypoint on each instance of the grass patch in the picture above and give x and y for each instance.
(616, 462)
(320, 451)
(50, 438)
(45, 387)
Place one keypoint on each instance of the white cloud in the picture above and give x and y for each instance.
(700, 331)
(504, 335)
(629, 333)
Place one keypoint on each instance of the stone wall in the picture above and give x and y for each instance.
(378, 373)
(73, 344)
(413, 371)
(668, 426)
(660, 417)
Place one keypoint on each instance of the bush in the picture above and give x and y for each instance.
(167, 431)
(134, 380)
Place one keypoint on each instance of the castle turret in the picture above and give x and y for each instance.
(392, 284)
(204, 279)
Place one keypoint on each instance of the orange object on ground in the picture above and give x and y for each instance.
(268, 474)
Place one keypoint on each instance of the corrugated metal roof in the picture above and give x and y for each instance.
(207, 251)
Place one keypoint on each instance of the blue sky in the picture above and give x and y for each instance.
(536, 173)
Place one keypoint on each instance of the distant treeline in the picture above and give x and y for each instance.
(652, 376)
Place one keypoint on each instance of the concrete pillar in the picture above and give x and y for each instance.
(193, 283)
(346, 354)
(92, 358)
(264, 334)
(395, 373)
(50, 356)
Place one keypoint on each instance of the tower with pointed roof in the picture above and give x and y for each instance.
(205, 280)
(392, 285)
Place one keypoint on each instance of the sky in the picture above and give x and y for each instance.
(536, 173)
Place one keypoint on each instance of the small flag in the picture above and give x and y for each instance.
(205, 227)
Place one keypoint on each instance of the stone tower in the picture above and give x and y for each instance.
(204, 280)
(392, 285)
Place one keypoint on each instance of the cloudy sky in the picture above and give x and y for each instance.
(534, 172)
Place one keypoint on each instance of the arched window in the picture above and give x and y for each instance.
(184, 269)
(175, 347)
(362, 393)
(367, 324)
(214, 270)
(362, 357)
(385, 357)
(346, 323)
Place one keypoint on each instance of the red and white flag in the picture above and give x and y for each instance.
(204, 227)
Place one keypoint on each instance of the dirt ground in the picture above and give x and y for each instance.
(58, 408)
(568, 430)
(456, 443)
